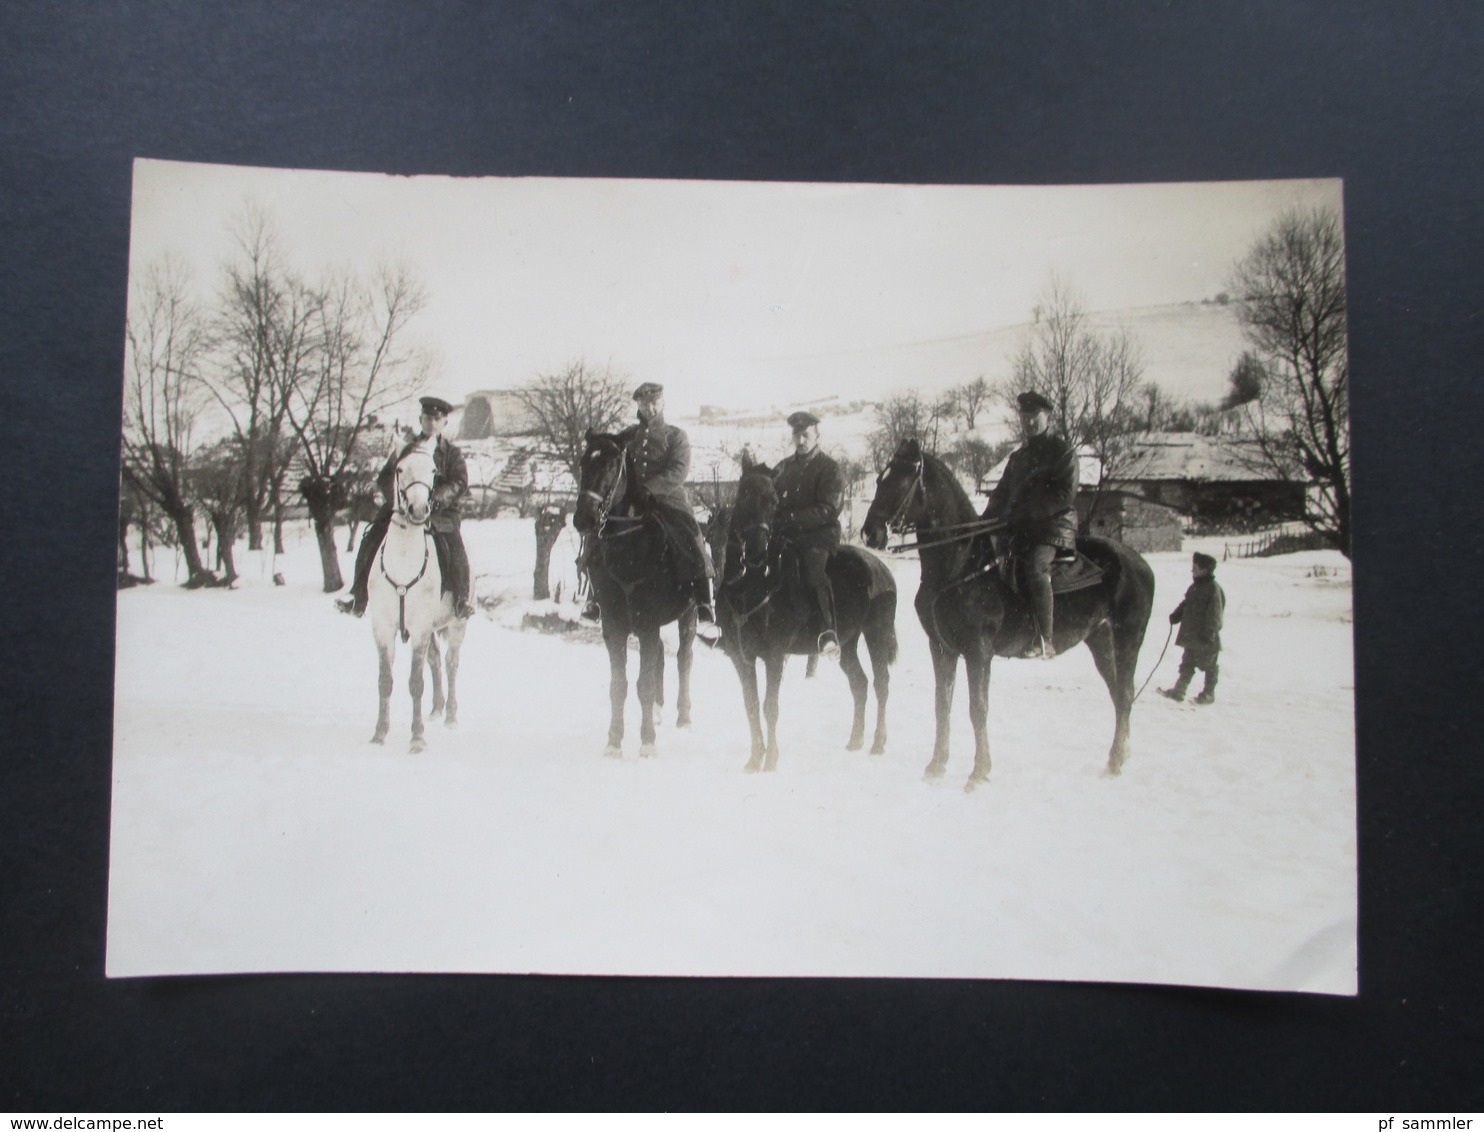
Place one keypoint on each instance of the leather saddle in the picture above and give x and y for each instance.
(1071, 570)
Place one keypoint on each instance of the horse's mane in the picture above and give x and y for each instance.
(944, 474)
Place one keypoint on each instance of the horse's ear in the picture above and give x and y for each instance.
(763, 470)
(747, 462)
(911, 448)
(589, 437)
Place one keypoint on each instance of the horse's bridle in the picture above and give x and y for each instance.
(898, 520)
(604, 503)
(402, 517)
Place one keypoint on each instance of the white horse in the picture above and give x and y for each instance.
(405, 599)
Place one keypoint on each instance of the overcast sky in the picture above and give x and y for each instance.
(729, 293)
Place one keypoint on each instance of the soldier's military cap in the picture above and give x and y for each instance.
(1031, 401)
(649, 391)
(1204, 561)
(435, 406)
(801, 420)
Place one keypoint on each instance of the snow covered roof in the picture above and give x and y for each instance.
(1185, 456)
(1198, 459)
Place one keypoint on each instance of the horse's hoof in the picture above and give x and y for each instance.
(683, 723)
(878, 748)
(753, 765)
(969, 786)
(932, 773)
(648, 751)
(855, 744)
(379, 740)
(417, 746)
(612, 751)
(450, 722)
(1112, 771)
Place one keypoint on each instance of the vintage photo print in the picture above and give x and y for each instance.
(622, 577)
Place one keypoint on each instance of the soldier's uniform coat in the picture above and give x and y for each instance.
(811, 492)
(661, 455)
(1037, 495)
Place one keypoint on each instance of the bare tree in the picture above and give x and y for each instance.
(215, 477)
(1290, 299)
(1092, 380)
(1246, 380)
(974, 458)
(266, 321)
(355, 367)
(900, 417)
(565, 406)
(163, 397)
(972, 398)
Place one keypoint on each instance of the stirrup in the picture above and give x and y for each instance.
(591, 612)
(828, 645)
(1039, 649)
(708, 633)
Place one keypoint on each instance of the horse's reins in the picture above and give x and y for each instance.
(604, 507)
(401, 589)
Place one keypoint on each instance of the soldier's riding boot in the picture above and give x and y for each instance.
(1038, 591)
(1208, 690)
(371, 540)
(458, 575)
(590, 610)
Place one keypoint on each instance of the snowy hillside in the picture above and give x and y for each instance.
(254, 828)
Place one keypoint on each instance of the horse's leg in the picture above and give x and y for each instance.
(747, 674)
(453, 643)
(811, 666)
(651, 673)
(386, 651)
(773, 667)
(617, 641)
(1103, 644)
(879, 645)
(976, 662)
(415, 687)
(850, 663)
(683, 658)
(945, 676)
(435, 671)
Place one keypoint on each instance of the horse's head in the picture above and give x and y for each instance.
(601, 484)
(415, 470)
(899, 495)
(752, 514)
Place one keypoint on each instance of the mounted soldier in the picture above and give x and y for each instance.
(1036, 501)
(811, 492)
(660, 453)
(450, 485)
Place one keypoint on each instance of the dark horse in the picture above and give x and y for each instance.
(763, 618)
(976, 615)
(633, 575)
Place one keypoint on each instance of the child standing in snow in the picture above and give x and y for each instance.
(1199, 617)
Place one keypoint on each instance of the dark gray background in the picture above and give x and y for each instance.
(1386, 96)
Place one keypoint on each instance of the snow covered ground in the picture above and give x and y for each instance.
(255, 829)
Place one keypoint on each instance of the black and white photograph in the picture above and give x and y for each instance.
(600, 576)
